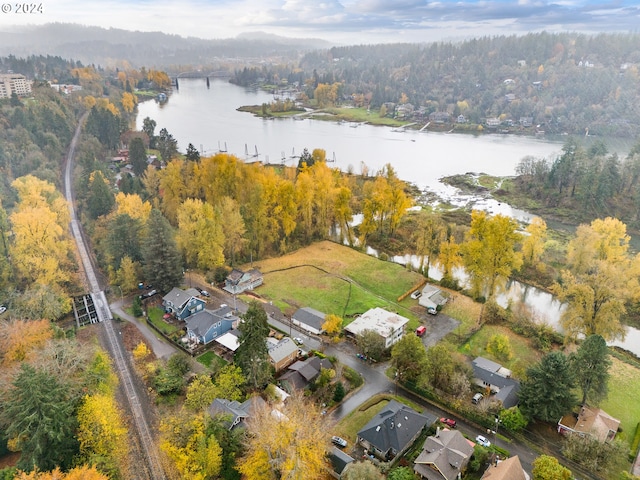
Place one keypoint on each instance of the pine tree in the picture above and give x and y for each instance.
(252, 353)
(162, 260)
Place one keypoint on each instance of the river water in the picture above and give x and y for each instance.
(208, 119)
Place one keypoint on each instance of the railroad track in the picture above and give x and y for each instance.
(115, 348)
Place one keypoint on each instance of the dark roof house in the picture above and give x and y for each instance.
(205, 326)
(393, 430)
(339, 461)
(236, 411)
(490, 374)
(303, 372)
(183, 303)
(310, 319)
(238, 281)
(444, 456)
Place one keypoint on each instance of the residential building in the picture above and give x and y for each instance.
(439, 117)
(235, 411)
(183, 303)
(497, 379)
(303, 372)
(339, 461)
(11, 83)
(309, 319)
(509, 469)
(389, 325)
(282, 353)
(393, 430)
(444, 456)
(493, 122)
(591, 421)
(205, 326)
(238, 281)
(432, 297)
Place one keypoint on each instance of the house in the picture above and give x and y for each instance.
(526, 122)
(238, 281)
(339, 461)
(404, 110)
(444, 456)
(509, 469)
(227, 344)
(183, 303)
(461, 119)
(590, 421)
(303, 372)
(493, 122)
(439, 117)
(390, 326)
(205, 326)
(393, 430)
(492, 375)
(236, 411)
(309, 319)
(282, 353)
(432, 297)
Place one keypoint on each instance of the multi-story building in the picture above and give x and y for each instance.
(14, 83)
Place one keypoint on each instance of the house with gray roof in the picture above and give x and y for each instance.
(303, 372)
(432, 297)
(393, 430)
(492, 375)
(238, 281)
(339, 461)
(237, 412)
(282, 353)
(310, 319)
(444, 456)
(183, 303)
(205, 326)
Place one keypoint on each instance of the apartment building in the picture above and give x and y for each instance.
(14, 82)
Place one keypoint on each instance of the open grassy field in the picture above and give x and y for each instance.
(335, 279)
(624, 391)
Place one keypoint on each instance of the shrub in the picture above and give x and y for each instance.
(338, 393)
(500, 346)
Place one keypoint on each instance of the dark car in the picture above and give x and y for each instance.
(448, 422)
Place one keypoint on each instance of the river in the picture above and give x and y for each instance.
(208, 119)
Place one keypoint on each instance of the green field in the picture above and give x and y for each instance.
(210, 360)
(624, 391)
(335, 279)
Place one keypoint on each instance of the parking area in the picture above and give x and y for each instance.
(438, 326)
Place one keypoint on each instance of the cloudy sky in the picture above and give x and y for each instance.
(340, 21)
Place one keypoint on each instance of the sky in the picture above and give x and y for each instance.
(338, 21)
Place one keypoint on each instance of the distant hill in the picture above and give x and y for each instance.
(110, 47)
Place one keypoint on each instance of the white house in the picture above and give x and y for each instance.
(310, 319)
(432, 297)
(389, 325)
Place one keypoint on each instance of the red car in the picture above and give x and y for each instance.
(448, 422)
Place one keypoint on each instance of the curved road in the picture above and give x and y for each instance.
(114, 346)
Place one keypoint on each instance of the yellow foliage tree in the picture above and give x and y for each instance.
(132, 205)
(102, 433)
(200, 235)
(332, 324)
(83, 472)
(129, 102)
(288, 444)
(128, 274)
(20, 338)
(141, 352)
(533, 244)
(89, 102)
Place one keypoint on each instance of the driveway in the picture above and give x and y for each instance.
(438, 326)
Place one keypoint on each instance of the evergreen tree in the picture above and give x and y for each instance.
(100, 201)
(192, 153)
(547, 394)
(39, 415)
(162, 263)
(138, 156)
(252, 354)
(590, 366)
(148, 127)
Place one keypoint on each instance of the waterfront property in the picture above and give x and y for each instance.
(390, 326)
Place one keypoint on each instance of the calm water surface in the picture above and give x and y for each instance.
(208, 119)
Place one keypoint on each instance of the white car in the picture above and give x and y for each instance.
(480, 440)
(340, 442)
(2, 309)
(416, 294)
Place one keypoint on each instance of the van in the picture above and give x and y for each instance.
(420, 331)
(476, 398)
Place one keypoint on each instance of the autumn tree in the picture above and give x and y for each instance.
(499, 346)
(363, 470)
(291, 443)
(489, 252)
(20, 339)
(161, 257)
(371, 344)
(533, 243)
(332, 324)
(429, 234)
(408, 356)
(449, 258)
(546, 393)
(444, 371)
(195, 454)
(600, 278)
(234, 228)
(252, 355)
(82, 472)
(590, 366)
(546, 467)
(200, 235)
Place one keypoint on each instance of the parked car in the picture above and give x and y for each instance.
(476, 398)
(3, 309)
(432, 310)
(421, 330)
(204, 293)
(480, 440)
(448, 422)
(298, 340)
(340, 442)
(416, 294)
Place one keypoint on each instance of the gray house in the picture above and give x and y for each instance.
(310, 319)
(444, 456)
(236, 411)
(492, 375)
(183, 303)
(205, 326)
(432, 297)
(393, 430)
(238, 281)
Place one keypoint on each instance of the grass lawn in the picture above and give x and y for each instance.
(464, 309)
(210, 360)
(624, 391)
(362, 115)
(345, 282)
(524, 355)
(155, 317)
